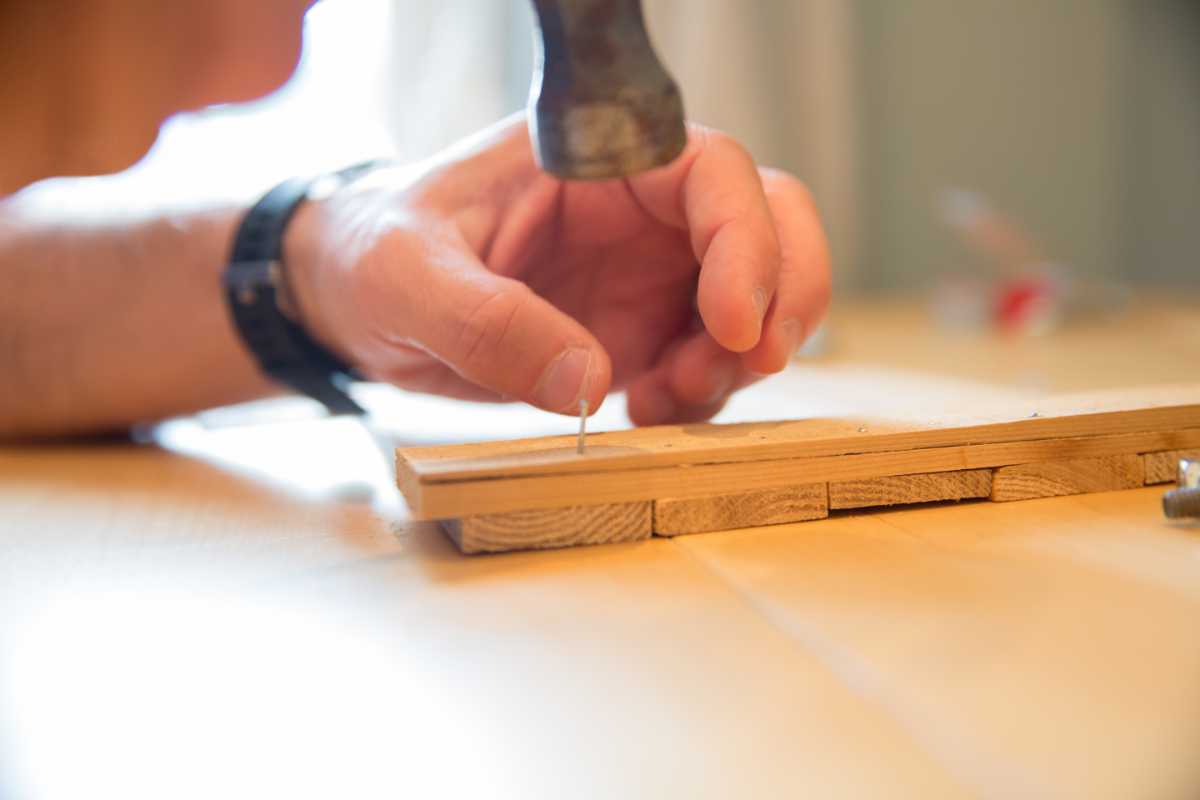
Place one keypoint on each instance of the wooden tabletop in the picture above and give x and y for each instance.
(248, 611)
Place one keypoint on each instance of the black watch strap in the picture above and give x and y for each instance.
(253, 282)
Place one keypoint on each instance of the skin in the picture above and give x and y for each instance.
(679, 284)
(479, 277)
(87, 83)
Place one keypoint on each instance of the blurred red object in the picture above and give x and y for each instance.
(1029, 304)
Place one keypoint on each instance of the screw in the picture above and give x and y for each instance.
(1183, 502)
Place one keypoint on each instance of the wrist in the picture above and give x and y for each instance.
(300, 292)
(312, 252)
(255, 282)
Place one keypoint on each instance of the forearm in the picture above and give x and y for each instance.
(103, 325)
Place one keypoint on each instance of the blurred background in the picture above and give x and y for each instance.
(943, 139)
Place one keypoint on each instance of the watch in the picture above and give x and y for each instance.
(255, 284)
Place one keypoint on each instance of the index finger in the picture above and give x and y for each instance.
(713, 191)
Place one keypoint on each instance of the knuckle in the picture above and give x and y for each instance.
(701, 135)
(722, 144)
(719, 140)
(805, 197)
(484, 328)
(773, 176)
(783, 184)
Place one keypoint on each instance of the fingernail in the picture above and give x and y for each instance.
(793, 329)
(760, 302)
(564, 381)
(723, 377)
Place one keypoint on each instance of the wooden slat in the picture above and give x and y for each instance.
(742, 510)
(1073, 476)
(901, 489)
(1099, 414)
(466, 497)
(688, 461)
(558, 527)
(1161, 467)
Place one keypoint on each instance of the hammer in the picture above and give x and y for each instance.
(601, 105)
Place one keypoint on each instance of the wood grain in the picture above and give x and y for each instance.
(1163, 466)
(438, 499)
(964, 617)
(901, 489)
(673, 517)
(558, 527)
(697, 460)
(1072, 476)
(1096, 414)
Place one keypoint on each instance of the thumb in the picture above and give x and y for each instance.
(498, 333)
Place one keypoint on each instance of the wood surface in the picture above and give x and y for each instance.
(1047, 649)
(1163, 467)
(904, 489)
(1068, 476)
(958, 650)
(1148, 345)
(995, 634)
(743, 510)
(547, 528)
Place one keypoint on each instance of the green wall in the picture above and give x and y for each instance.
(1078, 118)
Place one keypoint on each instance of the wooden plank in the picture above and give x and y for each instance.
(652, 463)
(1161, 467)
(1127, 411)
(547, 528)
(457, 498)
(1070, 476)
(901, 489)
(673, 517)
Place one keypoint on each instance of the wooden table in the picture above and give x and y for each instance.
(248, 612)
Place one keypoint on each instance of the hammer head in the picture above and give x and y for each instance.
(601, 104)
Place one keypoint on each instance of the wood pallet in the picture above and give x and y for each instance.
(673, 480)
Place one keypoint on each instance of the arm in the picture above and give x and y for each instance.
(480, 277)
(107, 323)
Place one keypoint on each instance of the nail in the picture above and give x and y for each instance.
(723, 377)
(565, 381)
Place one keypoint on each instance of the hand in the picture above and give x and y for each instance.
(484, 278)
